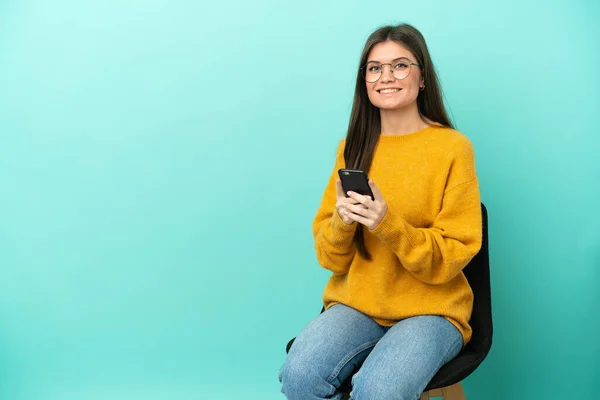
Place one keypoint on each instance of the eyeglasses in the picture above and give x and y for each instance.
(400, 68)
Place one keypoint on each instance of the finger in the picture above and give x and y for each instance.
(360, 210)
(345, 214)
(344, 203)
(360, 219)
(350, 201)
(365, 200)
(375, 190)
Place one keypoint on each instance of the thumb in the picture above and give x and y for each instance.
(339, 189)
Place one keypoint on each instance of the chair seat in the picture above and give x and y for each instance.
(456, 370)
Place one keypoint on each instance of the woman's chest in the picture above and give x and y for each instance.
(412, 186)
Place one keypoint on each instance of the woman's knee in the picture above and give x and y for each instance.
(301, 380)
(369, 386)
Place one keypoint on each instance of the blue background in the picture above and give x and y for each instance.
(161, 163)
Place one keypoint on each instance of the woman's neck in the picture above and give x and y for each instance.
(402, 121)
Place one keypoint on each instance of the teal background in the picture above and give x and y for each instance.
(161, 163)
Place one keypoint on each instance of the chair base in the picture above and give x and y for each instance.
(453, 392)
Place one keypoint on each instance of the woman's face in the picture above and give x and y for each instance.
(394, 89)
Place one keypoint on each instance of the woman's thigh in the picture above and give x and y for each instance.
(406, 358)
(327, 351)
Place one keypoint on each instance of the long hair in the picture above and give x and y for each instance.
(364, 127)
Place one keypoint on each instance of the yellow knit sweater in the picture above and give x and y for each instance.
(431, 230)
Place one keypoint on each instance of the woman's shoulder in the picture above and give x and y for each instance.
(451, 138)
(340, 147)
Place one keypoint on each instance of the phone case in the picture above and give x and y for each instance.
(356, 181)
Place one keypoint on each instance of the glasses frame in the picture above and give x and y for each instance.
(410, 64)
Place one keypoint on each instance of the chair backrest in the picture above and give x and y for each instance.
(478, 275)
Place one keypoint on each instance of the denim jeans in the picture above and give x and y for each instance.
(399, 361)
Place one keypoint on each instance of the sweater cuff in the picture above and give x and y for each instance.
(392, 227)
(338, 224)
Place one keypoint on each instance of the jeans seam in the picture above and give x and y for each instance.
(349, 357)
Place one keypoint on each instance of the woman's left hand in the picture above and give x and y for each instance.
(375, 209)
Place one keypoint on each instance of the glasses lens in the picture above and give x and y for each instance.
(372, 72)
(401, 68)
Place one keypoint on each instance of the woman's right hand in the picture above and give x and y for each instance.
(342, 202)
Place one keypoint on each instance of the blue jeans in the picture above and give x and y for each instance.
(399, 361)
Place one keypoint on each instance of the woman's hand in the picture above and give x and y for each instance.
(343, 202)
(365, 210)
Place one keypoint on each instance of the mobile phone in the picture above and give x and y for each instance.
(356, 181)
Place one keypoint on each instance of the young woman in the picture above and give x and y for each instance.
(397, 305)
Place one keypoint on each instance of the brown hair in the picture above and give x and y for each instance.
(364, 127)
